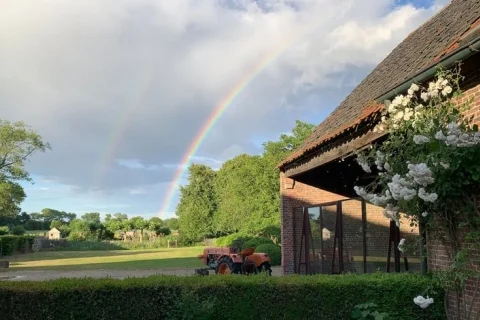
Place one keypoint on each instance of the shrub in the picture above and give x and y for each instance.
(257, 241)
(4, 230)
(234, 239)
(164, 230)
(220, 297)
(13, 244)
(274, 251)
(18, 230)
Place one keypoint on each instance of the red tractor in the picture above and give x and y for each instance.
(229, 260)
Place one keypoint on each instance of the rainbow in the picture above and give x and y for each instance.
(219, 110)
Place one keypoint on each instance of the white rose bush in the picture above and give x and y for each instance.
(428, 169)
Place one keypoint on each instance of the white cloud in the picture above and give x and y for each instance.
(134, 80)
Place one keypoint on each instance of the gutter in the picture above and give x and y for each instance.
(468, 50)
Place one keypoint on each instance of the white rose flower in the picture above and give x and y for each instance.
(419, 139)
(423, 302)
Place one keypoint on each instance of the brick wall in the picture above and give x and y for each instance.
(438, 258)
(295, 195)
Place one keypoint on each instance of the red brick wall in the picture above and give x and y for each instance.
(438, 258)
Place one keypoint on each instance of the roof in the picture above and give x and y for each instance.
(54, 230)
(423, 48)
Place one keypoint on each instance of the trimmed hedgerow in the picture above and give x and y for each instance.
(14, 244)
(220, 297)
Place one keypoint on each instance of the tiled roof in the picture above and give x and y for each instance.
(422, 49)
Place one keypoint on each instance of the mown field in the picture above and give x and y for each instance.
(167, 258)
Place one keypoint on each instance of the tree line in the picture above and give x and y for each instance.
(243, 196)
(88, 226)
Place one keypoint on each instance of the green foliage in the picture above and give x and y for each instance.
(15, 244)
(234, 239)
(4, 230)
(428, 171)
(198, 203)
(368, 311)
(242, 197)
(11, 196)
(17, 143)
(274, 233)
(256, 241)
(18, 230)
(274, 251)
(172, 223)
(222, 297)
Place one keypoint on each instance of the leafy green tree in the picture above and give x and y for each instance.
(17, 143)
(172, 223)
(198, 203)
(56, 224)
(276, 151)
(238, 188)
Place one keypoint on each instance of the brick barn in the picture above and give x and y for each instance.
(323, 170)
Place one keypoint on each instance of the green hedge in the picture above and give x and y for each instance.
(219, 297)
(15, 244)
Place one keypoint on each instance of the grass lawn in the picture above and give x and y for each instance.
(113, 260)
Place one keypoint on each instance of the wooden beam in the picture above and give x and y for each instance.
(335, 153)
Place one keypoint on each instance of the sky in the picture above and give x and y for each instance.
(121, 88)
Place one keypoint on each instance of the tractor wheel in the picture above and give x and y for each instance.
(226, 266)
(265, 268)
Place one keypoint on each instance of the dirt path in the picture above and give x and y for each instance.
(19, 275)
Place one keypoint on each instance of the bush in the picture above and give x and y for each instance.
(18, 230)
(4, 230)
(14, 244)
(255, 242)
(274, 251)
(220, 297)
(232, 240)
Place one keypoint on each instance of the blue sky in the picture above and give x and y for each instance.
(74, 69)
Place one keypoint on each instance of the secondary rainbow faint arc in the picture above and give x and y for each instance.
(217, 112)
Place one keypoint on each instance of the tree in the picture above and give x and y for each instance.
(155, 223)
(197, 204)
(276, 151)
(172, 223)
(17, 143)
(11, 196)
(56, 224)
(92, 218)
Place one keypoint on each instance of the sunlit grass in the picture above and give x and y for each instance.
(111, 259)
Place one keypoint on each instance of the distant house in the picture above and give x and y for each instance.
(54, 234)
